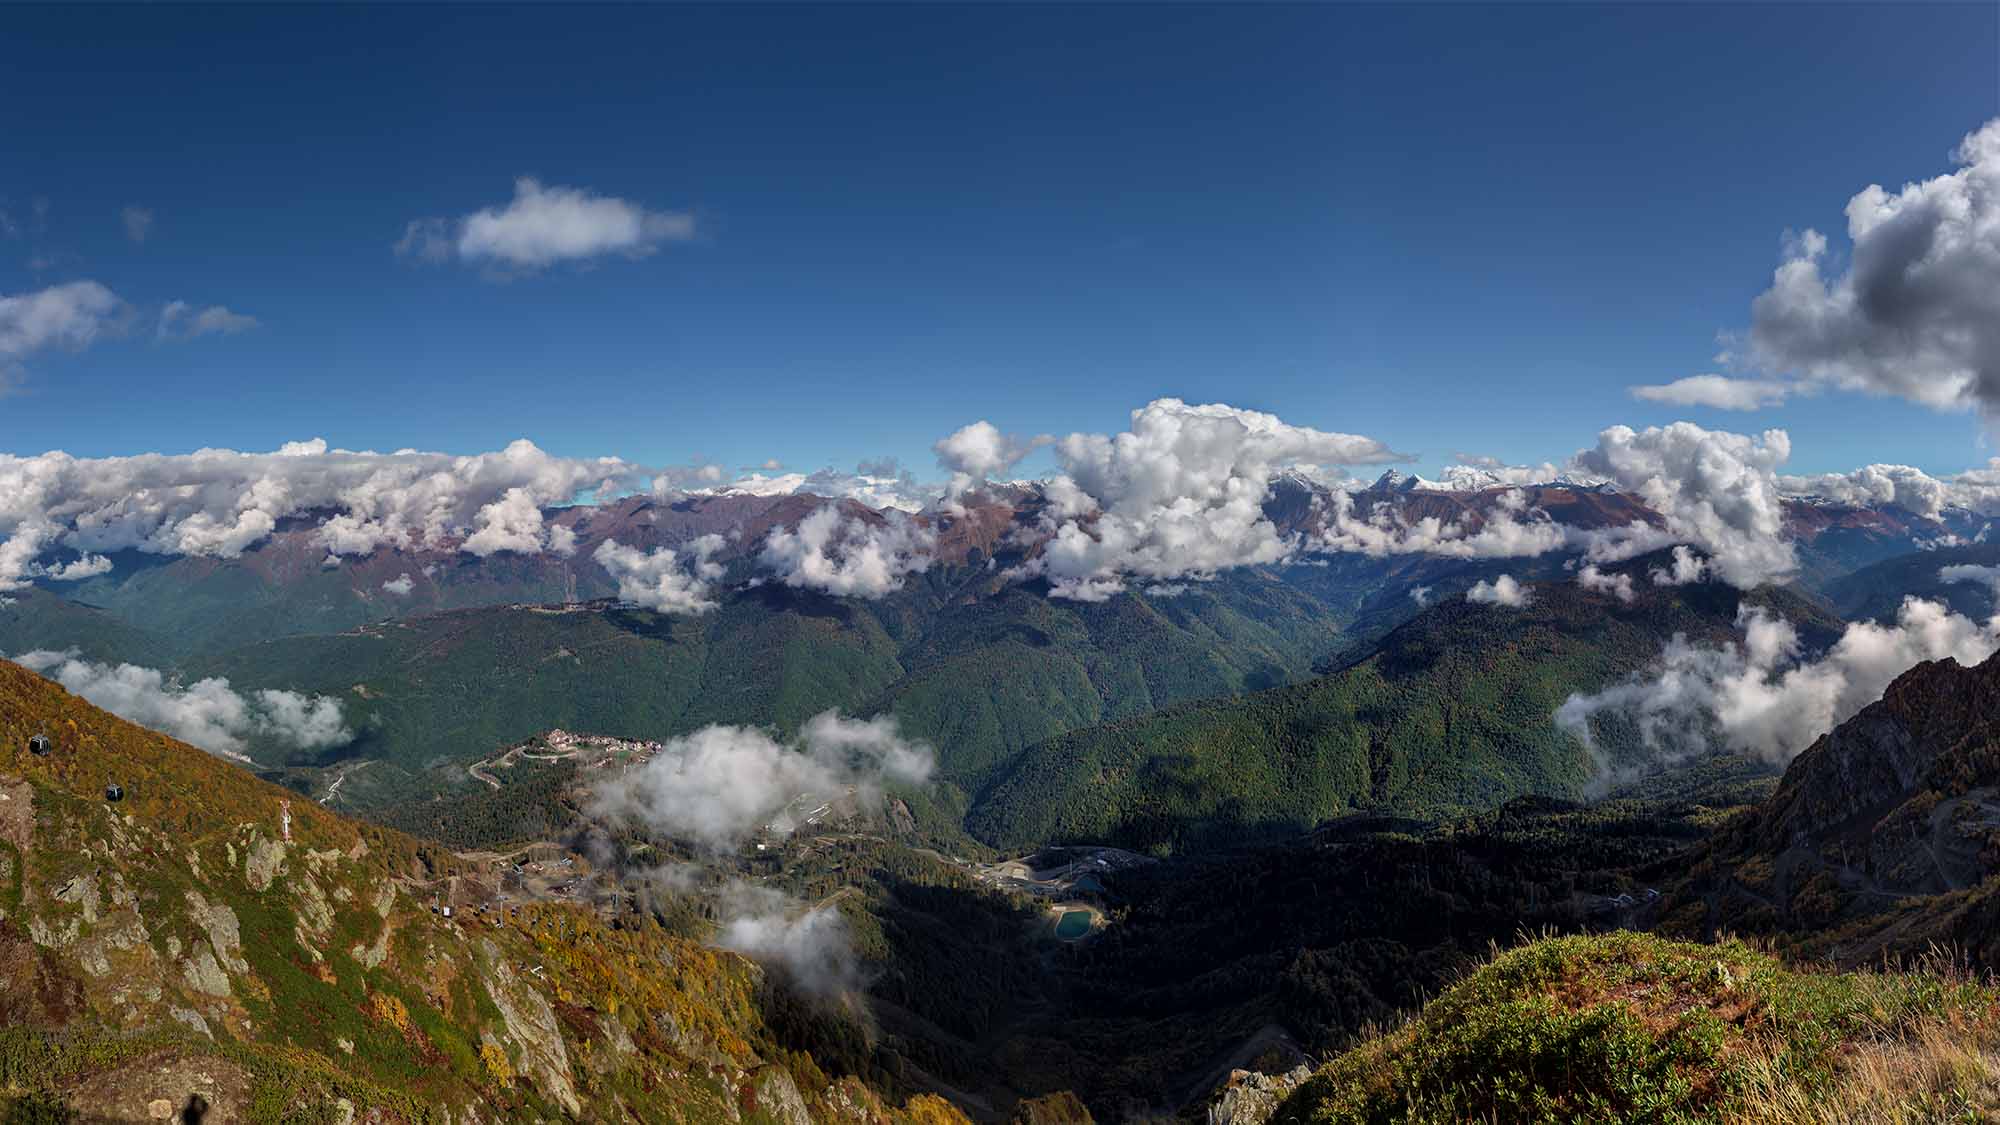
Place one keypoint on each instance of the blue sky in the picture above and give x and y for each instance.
(1449, 228)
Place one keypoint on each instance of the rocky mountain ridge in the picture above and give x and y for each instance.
(207, 940)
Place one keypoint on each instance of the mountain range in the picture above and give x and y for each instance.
(1303, 795)
(409, 641)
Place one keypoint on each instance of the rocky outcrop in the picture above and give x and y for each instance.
(1250, 1098)
(262, 862)
(531, 1023)
(1893, 808)
(778, 1096)
(225, 934)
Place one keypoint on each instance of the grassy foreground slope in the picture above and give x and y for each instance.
(217, 938)
(1627, 1027)
(1452, 712)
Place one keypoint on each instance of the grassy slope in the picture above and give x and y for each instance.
(122, 920)
(1629, 1027)
(1452, 712)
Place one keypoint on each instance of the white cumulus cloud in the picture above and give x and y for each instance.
(1687, 569)
(722, 784)
(1179, 495)
(980, 452)
(546, 225)
(1599, 581)
(848, 556)
(1916, 313)
(1718, 391)
(1502, 591)
(1716, 490)
(71, 315)
(182, 321)
(664, 579)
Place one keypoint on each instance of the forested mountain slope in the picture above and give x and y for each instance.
(1875, 591)
(1454, 711)
(979, 678)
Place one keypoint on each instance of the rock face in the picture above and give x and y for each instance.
(262, 862)
(1250, 1098)
(778, 1096)
(531, 1023)
(1935, 730)
(1895, 810)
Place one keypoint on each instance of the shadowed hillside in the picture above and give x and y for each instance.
(1883, 837)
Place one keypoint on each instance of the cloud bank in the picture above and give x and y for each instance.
(207, 713)
(664, 579)
(1178, 498)
(848, 556)
(722, 784)
(218, 502)
(1766, 697)
(1511, 529)
(1907, 487)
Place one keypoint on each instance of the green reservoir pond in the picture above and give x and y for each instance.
(1073, 924)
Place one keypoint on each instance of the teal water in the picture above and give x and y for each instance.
(1073, 924)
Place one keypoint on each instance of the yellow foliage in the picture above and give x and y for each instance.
(496, 1062)
(387, 1009)
(929, 1109)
